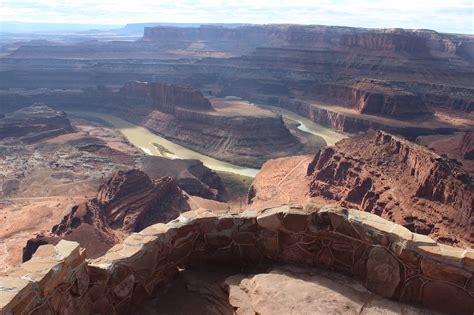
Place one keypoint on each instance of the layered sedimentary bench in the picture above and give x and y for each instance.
(387, 258)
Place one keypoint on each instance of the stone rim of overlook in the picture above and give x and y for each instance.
(199, 232)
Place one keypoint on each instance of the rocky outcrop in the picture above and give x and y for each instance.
(386, 258)
(399, 180)
(34, 123)
(128, 202)
(190, 175)
(467, 145)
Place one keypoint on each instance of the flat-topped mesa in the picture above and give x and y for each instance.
(373, 97)
(378, 41)
(164, 97)
(34, 123)
(395, 42)
(386, 258)
(397, 179)
(467, 145)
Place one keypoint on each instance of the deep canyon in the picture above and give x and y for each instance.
(211, 164)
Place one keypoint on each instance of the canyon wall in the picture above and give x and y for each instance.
(336, 117)
(164, 97)
(373, 97)
(388, 259)
(282, 60)
(187, 117)
(190, 175)
(414, 42)
(242, 139)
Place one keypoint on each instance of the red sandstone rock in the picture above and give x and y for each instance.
(190, 175)
(380, 173)
(384, 257)
(399, 180)
(131, 201)
(128, 202)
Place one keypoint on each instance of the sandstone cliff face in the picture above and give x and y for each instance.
(34, 123)
(406, 42)
(467, 145)
(399, 180)
(164, 97)
(347, 120)
(373, 97)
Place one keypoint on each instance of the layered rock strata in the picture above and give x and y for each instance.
(187, 117)
(127, 203)
(274, 60)
(373, 97)
(163, 97)
(34, 123)
(242, 139)
(382, 41)
(190, 175)
(246, 138)
(350, 121)
(399, 180)
(388, 259)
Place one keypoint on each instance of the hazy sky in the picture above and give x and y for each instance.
(440, 15)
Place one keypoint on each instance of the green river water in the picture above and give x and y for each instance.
(153, 144)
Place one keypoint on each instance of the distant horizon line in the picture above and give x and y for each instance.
(217, 23)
